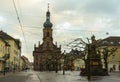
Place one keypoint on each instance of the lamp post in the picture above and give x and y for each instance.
(88, 64)
(64, 59)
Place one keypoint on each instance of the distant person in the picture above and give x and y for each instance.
(111, 69)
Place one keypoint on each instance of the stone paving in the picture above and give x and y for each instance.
(73, 77)
(36, 76)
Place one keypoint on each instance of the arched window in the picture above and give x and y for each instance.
(48, 45)
(113, 57)
(48, 34)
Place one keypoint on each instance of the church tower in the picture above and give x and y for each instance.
(47, 32)
(46, 53)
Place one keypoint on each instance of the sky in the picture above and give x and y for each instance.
(71, 19)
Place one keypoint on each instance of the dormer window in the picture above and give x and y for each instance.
(119, 42)
(111, 42)
(104, 42)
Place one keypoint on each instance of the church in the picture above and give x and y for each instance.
(47, 54)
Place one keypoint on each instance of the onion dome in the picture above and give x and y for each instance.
(47, 23)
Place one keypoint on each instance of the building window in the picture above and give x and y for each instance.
(119, 42)
(48, 45)
(111, 42)
(119, 67)
(1, 48)
(36, 58)
(113, 57)
(48, 34)
(104, 42)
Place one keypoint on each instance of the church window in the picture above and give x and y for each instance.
(48, 45)
(48, 34)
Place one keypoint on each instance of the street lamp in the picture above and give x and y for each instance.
(88, 64)
(64, 59)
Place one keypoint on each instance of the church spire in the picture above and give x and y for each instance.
(48, 6)
(47, 23)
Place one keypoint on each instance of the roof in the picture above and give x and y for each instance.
(111, 41)
(47, 23)
(25, 59)
(6, 36)
(6, 43)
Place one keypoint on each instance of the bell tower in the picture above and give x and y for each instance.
(47, 32)
(47, 50)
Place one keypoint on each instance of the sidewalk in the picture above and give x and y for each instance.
(6, 74)
(59, 77)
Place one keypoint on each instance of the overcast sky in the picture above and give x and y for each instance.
(71, 19)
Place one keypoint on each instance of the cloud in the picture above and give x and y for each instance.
(68, 5)
(88, 6)
(71, 19)
(108, 7)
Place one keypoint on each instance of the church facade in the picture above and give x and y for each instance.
(46, 55)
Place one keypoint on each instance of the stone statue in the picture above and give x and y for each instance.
(93, 39)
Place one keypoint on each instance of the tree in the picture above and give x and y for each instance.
(106, 54)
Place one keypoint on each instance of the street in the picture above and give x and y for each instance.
(34, 76)
(14, 77)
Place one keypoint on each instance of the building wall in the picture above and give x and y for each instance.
(14, 59)
(47, 49)
(21, 64)
(78, 64)
(2, 48)
(114, 59)
(2, 53)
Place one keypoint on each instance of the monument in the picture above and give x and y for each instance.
(93, 61)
